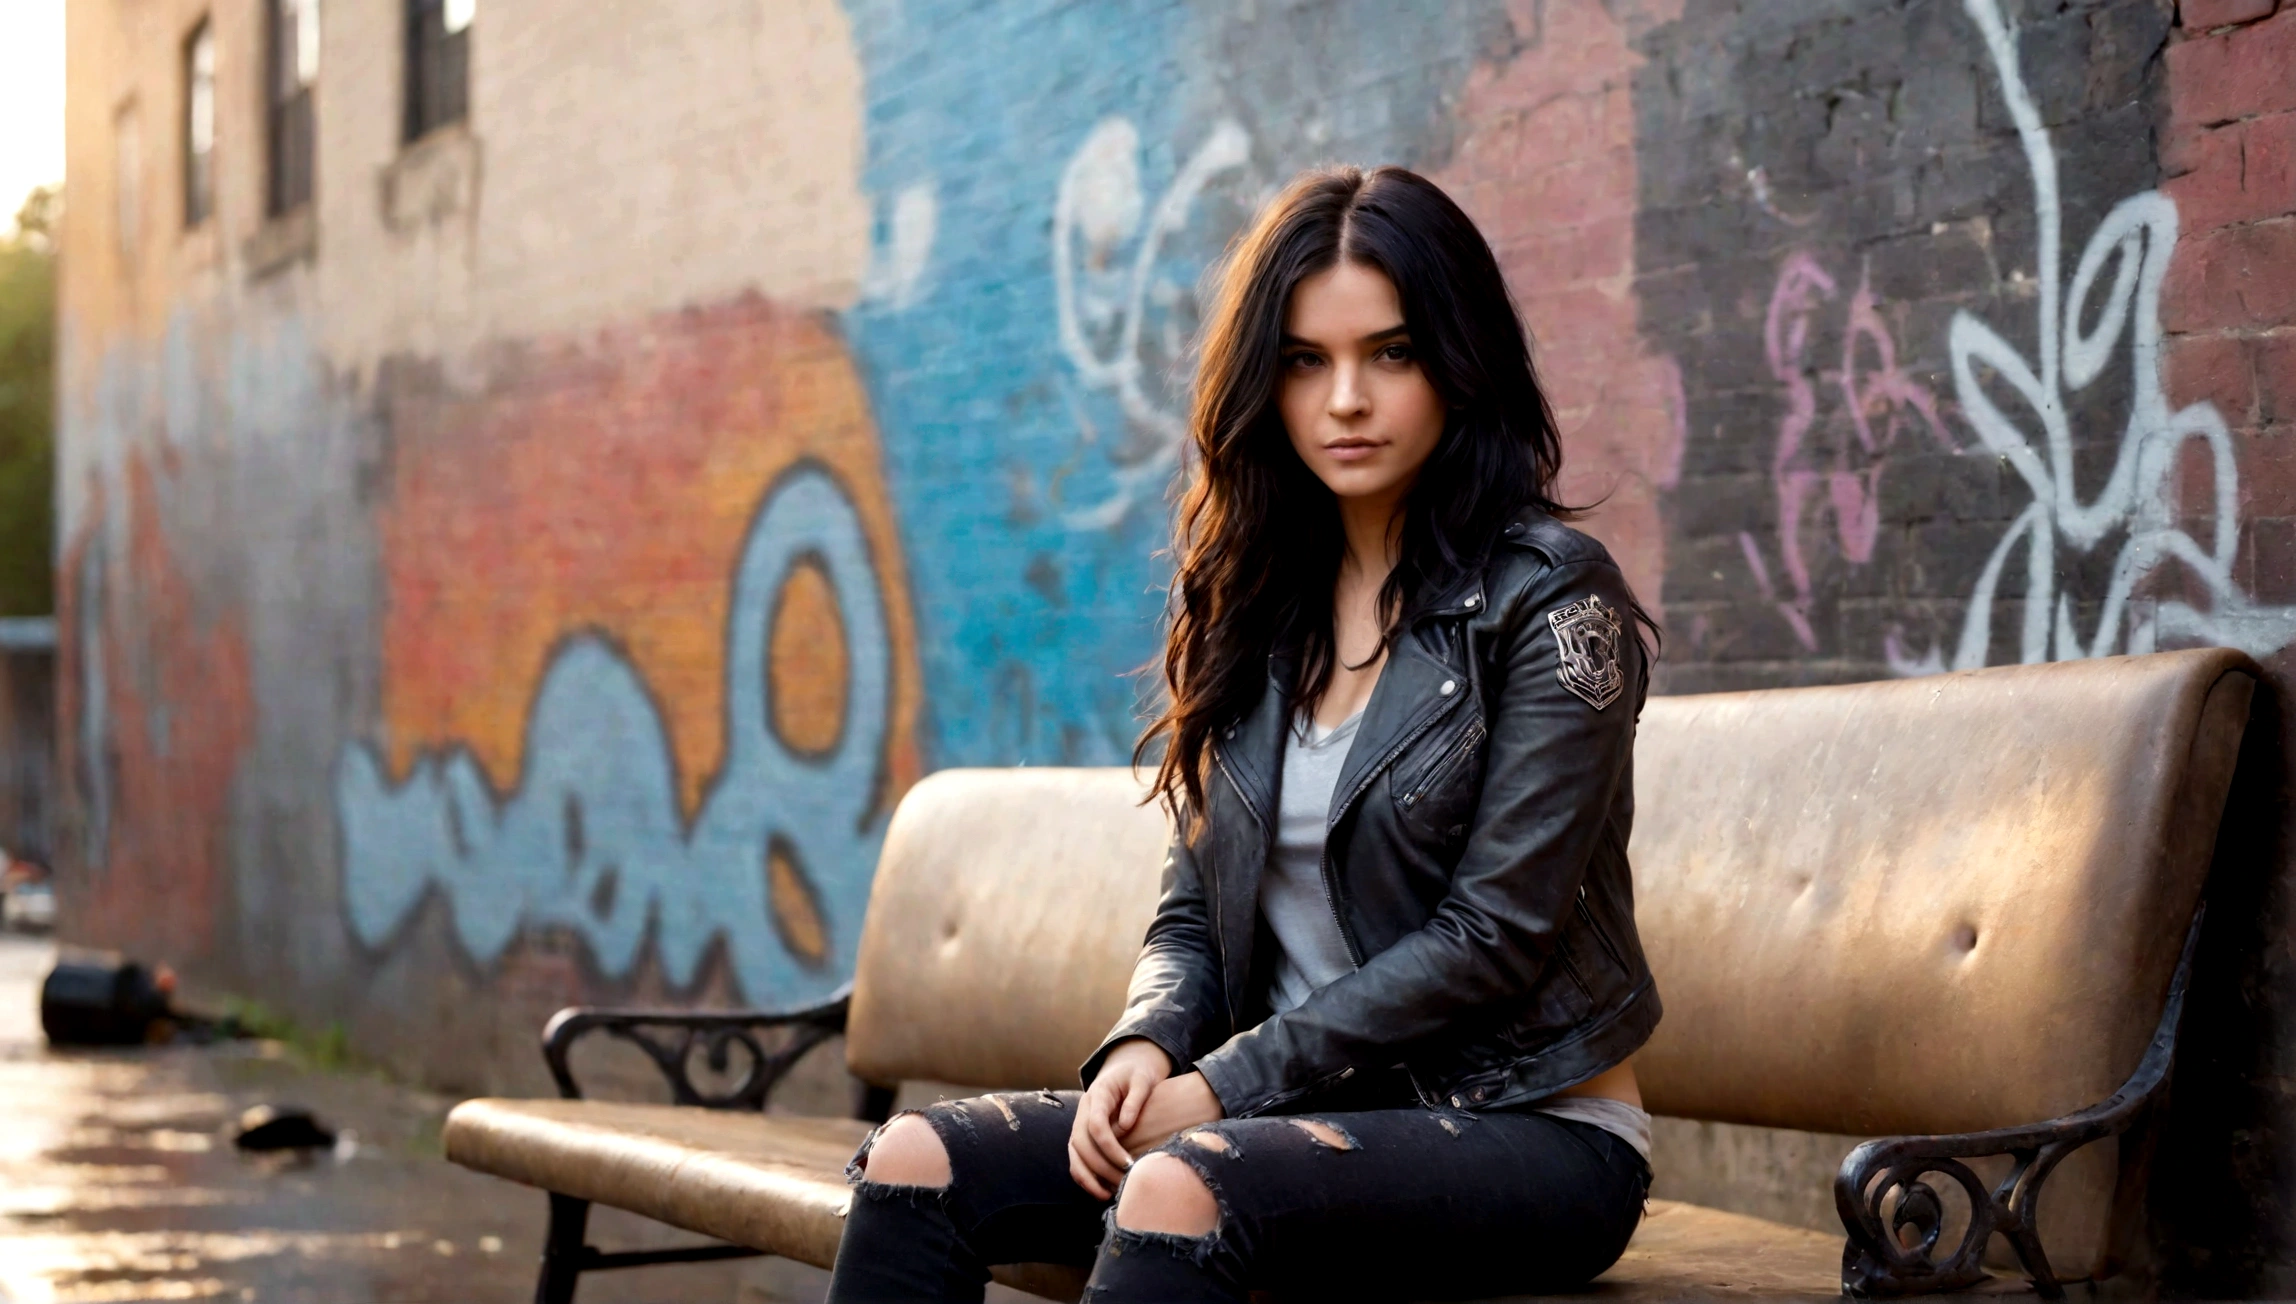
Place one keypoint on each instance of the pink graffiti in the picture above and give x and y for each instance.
(1836, 465)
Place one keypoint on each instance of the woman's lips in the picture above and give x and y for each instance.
(1352, 450)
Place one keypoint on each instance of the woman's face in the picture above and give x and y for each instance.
(1359, 411)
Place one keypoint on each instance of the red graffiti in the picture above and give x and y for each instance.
(156, 710)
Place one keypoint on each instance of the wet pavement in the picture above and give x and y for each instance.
(119, 1182)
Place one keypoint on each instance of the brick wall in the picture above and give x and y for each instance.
(2228, 158)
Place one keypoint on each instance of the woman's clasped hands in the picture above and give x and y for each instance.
(1134, 1105)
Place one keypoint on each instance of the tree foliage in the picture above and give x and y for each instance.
(28, 407)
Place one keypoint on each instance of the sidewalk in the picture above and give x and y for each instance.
(119, 1182)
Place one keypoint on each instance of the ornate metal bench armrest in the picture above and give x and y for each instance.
(670, 1037)
(1876, 1263)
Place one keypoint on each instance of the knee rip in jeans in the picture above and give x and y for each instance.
(1175, 1199)
(857, 1168)
(1214, 1142)
(1003, 1102)
(1328, 1135)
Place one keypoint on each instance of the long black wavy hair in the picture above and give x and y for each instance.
(1258, 536)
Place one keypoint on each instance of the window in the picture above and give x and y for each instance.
(199, 124)
(438, 63)
(294, 67)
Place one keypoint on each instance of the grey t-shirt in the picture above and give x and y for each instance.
(1309, 949)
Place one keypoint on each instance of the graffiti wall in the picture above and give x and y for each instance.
(533, 571)
(1942, 310)
(664, 689)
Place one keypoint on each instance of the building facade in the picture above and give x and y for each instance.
(539, 480)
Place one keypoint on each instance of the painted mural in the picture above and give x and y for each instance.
(574, 734)
(1030, 390)
(673, 703)
(633, 629)
(592, 838)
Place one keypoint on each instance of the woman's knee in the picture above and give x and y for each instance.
(1163, 1194)
(907, 1152)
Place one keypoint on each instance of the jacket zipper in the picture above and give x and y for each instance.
(1331, 900)
(1466, 744)
(1330, 885)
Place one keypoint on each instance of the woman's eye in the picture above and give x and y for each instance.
(1396, 353)
(1300, 360)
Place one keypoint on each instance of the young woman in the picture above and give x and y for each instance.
(1377, 1040)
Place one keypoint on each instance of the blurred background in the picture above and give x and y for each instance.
(31, 209)
(499, 498)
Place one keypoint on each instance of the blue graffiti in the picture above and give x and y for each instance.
(1051, 182)
(591, 840)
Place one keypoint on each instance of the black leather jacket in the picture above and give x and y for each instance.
(1476, 860)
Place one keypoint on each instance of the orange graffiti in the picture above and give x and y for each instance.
(607, 484)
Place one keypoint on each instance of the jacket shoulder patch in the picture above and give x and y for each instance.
(1587, 633)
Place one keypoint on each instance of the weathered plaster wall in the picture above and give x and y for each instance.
(533, 575)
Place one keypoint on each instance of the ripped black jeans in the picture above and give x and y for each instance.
(1411, 1203)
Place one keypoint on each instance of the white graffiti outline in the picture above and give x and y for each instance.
(2137, 239)
(1099, 191)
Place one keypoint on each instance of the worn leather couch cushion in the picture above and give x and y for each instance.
(1935, 905)
(1931, 905)
(1007, 910)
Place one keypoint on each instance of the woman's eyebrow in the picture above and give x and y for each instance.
(1294, 341)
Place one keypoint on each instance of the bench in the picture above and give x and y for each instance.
(1954, 914)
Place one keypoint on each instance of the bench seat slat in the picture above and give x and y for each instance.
(776, 1182)
(773, 1182)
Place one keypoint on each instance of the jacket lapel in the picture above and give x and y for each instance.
(1407, 699)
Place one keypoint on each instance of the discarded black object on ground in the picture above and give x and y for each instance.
(100, 999)
(281, 1127)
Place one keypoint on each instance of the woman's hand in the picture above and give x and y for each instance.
(1096, 1154)
(1176, 1105)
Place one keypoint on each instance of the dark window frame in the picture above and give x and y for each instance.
(437, 81)
(289, 127)
(198, 165)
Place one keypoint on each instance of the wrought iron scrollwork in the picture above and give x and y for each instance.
(1893, 1174)
(672, 1038)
